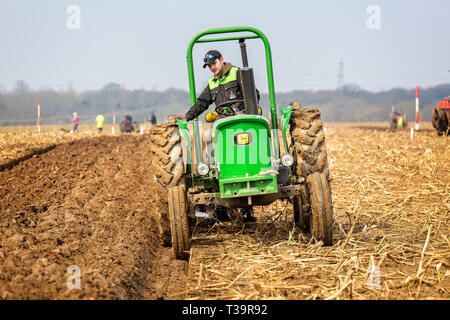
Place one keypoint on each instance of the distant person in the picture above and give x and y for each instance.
(400, 122)
(75, 121)
(100, 120)
(152, 118)
(397, 120)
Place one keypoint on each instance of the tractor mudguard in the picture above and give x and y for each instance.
(285, 118)
(184, 131)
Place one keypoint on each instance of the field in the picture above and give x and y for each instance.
(86, 202)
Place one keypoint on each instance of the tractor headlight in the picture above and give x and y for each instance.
(287, 160)
(202, 168)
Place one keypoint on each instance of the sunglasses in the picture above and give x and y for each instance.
(211, 57)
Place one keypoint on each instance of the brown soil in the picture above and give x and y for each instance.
(391, 208)
(86, 204)
(91, 203)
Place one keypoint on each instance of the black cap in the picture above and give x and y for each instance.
(215, 55)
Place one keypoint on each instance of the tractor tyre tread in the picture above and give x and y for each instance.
(179, 223)
(308, 142)
(321, 221)
(168, 169)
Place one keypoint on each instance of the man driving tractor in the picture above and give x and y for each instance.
(223, 89)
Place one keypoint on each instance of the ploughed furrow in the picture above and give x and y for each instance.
(79, 223)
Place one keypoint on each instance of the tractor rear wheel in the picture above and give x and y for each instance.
(306, 141)
(179, 223)
(168, 169)
(321, 221)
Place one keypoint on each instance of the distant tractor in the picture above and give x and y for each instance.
(397, 120)
(440, 117)
(128, 125)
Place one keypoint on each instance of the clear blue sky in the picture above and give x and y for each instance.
(142, 43)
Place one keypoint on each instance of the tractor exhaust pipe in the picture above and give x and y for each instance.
(243, 52)
(249, 90)
(247, 82)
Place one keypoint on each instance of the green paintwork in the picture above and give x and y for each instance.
(248, 186)
(243, 162)
(226, 39)
(182, 124)
(197, 143)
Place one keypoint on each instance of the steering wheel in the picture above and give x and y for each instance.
(227, 103)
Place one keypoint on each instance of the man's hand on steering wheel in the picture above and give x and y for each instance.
(219, 108)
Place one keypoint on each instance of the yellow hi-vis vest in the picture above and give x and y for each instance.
(99, 120)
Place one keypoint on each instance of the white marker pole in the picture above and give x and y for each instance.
(39, 116)
(417, 108)
(412, 133)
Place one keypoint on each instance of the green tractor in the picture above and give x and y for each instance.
(243, 161)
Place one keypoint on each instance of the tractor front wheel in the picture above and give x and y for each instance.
(179, 223)
(321, 220)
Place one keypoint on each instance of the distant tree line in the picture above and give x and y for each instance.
(352, 104)
(349, 104)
